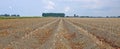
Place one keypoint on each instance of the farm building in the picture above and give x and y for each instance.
(53, 15)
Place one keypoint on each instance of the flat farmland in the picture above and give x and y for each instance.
(60, 33)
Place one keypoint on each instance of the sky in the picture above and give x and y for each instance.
(69, 7)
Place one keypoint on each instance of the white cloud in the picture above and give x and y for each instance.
(97, 7)
(67, 8)
(49, 5)
(10, 7)
(91, 4)
(96, 4)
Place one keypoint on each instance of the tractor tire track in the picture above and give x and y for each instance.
(16, 36)
(104, 36)
(27, 36)
(93, 37)
(77, 39)
(57, 41)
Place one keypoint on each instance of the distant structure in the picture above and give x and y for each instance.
(53, 14)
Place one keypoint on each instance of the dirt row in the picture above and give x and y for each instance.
(9, 35)
(106, 37)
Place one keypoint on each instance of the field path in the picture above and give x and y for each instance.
(57, 41)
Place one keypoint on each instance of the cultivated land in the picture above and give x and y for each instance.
(60, 33)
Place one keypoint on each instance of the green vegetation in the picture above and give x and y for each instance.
(3, 17)
(53, 15)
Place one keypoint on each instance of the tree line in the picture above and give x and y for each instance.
(53, 14)
(8, 15)
(94, 16)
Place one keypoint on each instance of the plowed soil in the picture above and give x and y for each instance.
(60, 33)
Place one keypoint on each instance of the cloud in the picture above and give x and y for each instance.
(97, 4)
(10, 7)
(67, 8)
(49, 5)
(90, 4)
(86, 7)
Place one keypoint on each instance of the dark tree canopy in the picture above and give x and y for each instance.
(53, 15)
(8, 15)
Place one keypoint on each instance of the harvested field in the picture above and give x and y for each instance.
(60, 33)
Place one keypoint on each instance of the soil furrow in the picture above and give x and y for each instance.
(27, 36)
(110, 38)
(93, 37)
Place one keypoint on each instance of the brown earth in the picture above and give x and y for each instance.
(60, 33)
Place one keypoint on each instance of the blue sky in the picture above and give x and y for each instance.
(69, 7)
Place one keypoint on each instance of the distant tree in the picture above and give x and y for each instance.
(84, 16)
(118, 16)
(18, 15)
(74, 15)
(53, 14)
(107, 16)
(77, 15)
(67, 16)
(7, 15)
(14, 15)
